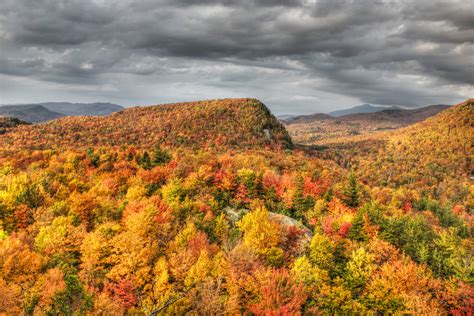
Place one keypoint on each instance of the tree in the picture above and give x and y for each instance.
(359, 268)
(321, 251)
(145, 161)
(356, 231)
(160, 156)
(260, 232)
(278, 294)
(301, 203)
(352, 191)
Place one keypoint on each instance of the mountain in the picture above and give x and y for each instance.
(429, 156)
(42, 112)
(236, 123)
(396, 115)
(33, 113)
(97, 219)
(87, 109)
(284, 117)
(308, 118)
(364, 108)
(321, 128)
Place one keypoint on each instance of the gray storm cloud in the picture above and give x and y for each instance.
(296, 56)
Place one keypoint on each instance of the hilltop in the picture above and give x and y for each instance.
(237, 123)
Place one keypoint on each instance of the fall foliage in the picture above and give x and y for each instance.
(190, 208)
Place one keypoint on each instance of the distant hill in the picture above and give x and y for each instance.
(32, 113)
(308, 118)
(435, 153)
(227, 123)
(284, 117)
(87, 109)
(319, 128)
(364, 108)
(400, 116)
(42, 112)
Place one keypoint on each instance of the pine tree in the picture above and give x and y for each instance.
(301, 203)
(145, 161)
(160, 156)
(357, 229)
(352, 191)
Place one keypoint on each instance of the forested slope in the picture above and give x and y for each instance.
(433, 156)
(237, 123)
(158, 214)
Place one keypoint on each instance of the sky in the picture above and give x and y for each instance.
(296, 56)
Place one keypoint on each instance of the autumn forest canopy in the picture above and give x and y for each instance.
(217, 207)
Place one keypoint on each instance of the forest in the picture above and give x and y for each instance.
(209, 208)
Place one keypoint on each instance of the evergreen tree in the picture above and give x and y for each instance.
(160, 156)
(357, 229)
(145, 161)
(301, 203)
(352, 191)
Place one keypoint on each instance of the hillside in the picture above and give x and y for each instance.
(401, 117)
(318, 129)
(224, 123)
(7, 123)
(87, 109)
(32, 113)
(97, 218)
(434, 155)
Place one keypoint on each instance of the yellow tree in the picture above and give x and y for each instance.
(261, 234)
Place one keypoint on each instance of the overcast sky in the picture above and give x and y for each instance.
(297, 56)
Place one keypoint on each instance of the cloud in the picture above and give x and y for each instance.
(296, 55)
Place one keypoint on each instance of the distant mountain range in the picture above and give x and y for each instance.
(364, 108)
(308, 118)
(42, 112)
(319, 128)
(371, 113)
(87, 109)
(398, 115)
(32, 113)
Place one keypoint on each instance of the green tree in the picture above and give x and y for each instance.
(145, 161)
(160, 156)
(352, 191)
(359, 268)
